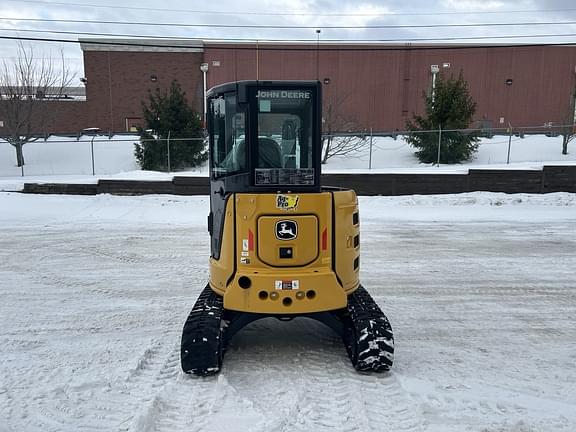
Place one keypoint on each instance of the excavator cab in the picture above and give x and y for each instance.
(281, 244)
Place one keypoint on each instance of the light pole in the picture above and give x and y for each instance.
(92, 131)
(168, 151)
(318, 54)
(574, 102)
(434, 69)
(204, 69)
(439, 144)
(509, 142)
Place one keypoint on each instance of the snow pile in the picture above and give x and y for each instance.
(471, 206)
(23, 209)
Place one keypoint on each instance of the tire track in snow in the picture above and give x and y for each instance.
(50, 407)
(45, 276)
(340, 399)
(155, 369)
(121, 255)
(155, 364)
(6, 405)
(183, 264)
(463, 406)
(112, 406)
(179, 407)
(305, 382)
(328, 403)
(266, 364)
(63, 408)
(143, 249)
(197, 404)
(490, 407)
(386, 402)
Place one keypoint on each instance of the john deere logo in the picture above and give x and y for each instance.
(286, 230)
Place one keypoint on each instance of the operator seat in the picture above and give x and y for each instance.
(269, 154)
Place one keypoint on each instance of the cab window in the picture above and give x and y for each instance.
(284, 129)
(228, 155)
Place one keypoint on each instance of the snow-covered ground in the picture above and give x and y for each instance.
(479, 288)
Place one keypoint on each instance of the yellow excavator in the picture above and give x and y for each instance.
(282, 245)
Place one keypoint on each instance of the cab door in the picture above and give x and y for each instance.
(228, 156)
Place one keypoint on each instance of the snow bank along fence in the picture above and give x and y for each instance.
(549, 179)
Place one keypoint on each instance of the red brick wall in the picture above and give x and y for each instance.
(379, 89)
(67, 116)
(118, 82)
(58, 117)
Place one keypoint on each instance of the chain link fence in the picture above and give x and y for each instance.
(501, 146)
(103, 154)
(83, 155)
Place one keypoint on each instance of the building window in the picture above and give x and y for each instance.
(133, 123)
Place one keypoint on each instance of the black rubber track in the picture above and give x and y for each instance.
(202, 345)
(370, 342)
(367, 334)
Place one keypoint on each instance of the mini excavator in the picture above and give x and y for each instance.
(281, 245)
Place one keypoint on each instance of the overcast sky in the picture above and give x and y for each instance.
(318, 14)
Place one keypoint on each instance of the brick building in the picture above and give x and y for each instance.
(377, 87)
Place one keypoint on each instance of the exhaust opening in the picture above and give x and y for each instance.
(310, 294)
(244, 282)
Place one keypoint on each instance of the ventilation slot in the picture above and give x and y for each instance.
(356, 241)
(356, 263)
(355, 218)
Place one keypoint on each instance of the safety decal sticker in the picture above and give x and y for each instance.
(287, 202)
(287, 284)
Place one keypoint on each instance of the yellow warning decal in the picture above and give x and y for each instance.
(287, 202)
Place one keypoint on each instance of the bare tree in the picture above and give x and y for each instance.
(568, 128)
(568, 132)
(25, 86)
(340, 137)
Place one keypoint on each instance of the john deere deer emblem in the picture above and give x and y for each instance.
(286, 230)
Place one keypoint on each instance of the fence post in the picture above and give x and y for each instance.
(168, 147)
(439, 142)
(509, 142)
(92, 153)
(370, 159)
